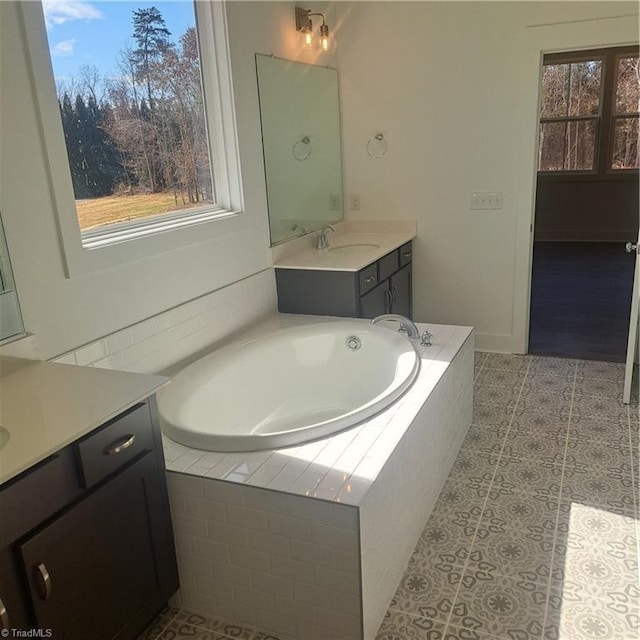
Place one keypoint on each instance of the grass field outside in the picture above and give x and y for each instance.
(97, 212)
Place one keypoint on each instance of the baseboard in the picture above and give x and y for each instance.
(496, 343)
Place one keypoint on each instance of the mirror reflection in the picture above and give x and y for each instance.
(300, 116)
(10, 318)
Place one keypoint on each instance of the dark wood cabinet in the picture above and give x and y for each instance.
(104, 564)
(383, 286)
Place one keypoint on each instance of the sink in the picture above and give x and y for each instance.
(351, 249)
(4, 437)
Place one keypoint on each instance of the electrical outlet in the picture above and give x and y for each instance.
(486, 200)
(334, 202)
(354, 202)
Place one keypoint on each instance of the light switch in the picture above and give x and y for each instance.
(486, 200)
(354, 202)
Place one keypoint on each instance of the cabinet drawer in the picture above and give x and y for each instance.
(121, 440)
(387, 265)
(406, 254)
(368, 277)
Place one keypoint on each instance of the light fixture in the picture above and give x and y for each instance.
(305, 26)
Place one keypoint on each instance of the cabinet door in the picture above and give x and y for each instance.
(94, 568)
(401, 292)
(376, 302)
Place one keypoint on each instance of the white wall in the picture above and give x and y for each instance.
(453, 86)
(67, 313)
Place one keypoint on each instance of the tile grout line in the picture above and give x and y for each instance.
(484, 504)
(555, 533)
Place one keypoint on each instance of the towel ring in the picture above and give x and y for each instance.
(377, 146)
(302, 148)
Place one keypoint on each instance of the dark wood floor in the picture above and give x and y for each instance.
(580, 300)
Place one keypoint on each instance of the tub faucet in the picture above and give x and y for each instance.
(322, 241)
(405, 324)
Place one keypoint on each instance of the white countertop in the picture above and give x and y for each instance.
(46, 406)
(386, 236)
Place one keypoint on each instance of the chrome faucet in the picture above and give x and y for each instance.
(298, 227)
(405, 324)
(322, 241)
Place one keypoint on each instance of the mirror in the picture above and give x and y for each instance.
(10, 318)
(300, 116)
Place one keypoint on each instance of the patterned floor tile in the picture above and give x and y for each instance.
(526, 476)
(523, 446)
(155, 629)
(486, 440)
(561, 385)
(177, 630)
(210, 623)
(545, 424)
(461, 501)
(496, 397)
(506, 362)
(610, 488)
(602, 408)
(544, 402)
(599, 455)
(499, 606)
(599, 388)
(594, 369)
(492, 415)
(446, 540)
(563, 367)
(598, 429)
(428, 589)
(589, 619)
(403, 626)
(505, 378)
(524, 512)
(513, 553)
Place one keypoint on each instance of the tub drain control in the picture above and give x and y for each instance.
(353, 343)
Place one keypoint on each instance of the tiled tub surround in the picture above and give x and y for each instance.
(310, 542)
(157, 344)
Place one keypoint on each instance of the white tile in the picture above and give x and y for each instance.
(309, 479)
(247, 518)
(264, 475)
(91, 353)
(67, 358)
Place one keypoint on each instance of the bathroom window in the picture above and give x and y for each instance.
(137, 110)
(589, 112)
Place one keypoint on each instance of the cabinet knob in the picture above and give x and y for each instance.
(4, 616)
(120, 445)
(45, 581)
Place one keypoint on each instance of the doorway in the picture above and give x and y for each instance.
(586, 204)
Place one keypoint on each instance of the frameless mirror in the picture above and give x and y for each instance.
(10, 318)
(300, 116)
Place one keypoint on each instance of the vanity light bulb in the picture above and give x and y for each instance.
(308, 39)
(324, 37)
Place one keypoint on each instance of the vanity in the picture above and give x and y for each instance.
(86, 542)
(362, 274)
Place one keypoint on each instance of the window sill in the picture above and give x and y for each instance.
(126, 231)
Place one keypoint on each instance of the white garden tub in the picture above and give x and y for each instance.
(288, 387)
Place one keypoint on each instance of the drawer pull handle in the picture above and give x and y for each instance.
(45, 581)
(4, 616)
(120, 445)
(370, 279)
(406, 254)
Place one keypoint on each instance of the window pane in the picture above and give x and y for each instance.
(625, 144)
(134, 121)
(571, 89)
(566, 146)
(628, 86)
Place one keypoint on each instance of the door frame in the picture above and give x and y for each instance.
(539, 40)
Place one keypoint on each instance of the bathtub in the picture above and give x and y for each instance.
(289, 387)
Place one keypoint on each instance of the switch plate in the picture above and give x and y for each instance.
(354, 202)
(334, 202)
(486, 200)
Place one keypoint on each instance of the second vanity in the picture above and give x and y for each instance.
(86, 543)
(363, 273)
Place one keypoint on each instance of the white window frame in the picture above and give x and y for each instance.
(118, 243)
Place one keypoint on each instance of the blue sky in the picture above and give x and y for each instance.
(93, 33)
